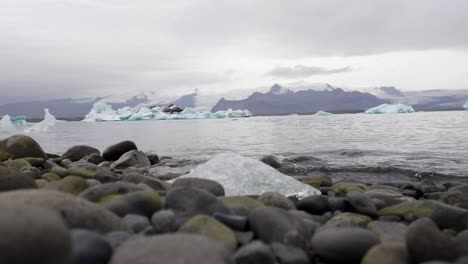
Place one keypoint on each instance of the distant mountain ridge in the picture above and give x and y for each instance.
(280, 101)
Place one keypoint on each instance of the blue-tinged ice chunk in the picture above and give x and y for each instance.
(143, 114)
(241, 175)
(19, 120)
(6, 126)
(44, 125)
(323, 113)
(390, 109)
(465, 106)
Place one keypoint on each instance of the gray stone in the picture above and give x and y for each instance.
(153, 183)
(462, 243)
(21, 146)
(204, 184)
(387, 253)
(276, 200)
(171, 249)
(271, 161)
(77, 212)
(343, 245)
(285, 254)
(12, 180)
(133, 158)
(140, 202)
(164, 221)
(389, 231)
(315, 204)
(361, 203)
(117, 238)
(89, 247)
(114, 152)
(78, 152)
(107, 191)
(254, 252)
(32, 235)
(136, 223)
(236, 222)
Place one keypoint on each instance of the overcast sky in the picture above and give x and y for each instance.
(81, 48)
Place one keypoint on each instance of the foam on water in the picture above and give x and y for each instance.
(390, 109)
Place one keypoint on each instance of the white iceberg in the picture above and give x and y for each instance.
(19, 120)
(465, 106)
(104, 112)
(241, 175)
(6, 125)
(44, 125)
(323, 113)
(390, 109)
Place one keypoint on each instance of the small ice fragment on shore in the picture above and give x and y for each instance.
(44, 125)
(241, 175)
(390, 109)
(465, 106)
(323, 113)
(6, 125)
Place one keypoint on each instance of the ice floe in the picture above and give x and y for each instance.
(6, 126)
(323, 113)
(390, 109)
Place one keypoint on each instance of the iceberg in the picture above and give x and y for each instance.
(323, 113)
(465, 106)
(6, 125)
(241, 175)
(44, 125)
(104, 112)
(390, 109)
(19, 120)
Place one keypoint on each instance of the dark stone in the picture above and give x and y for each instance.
(271, 161)
(116, 238)
(199, 183)
(343, 245)
(11, 180)
(361, 203)
(140, 202)
(187, 202)
(177, 248)
(89, 247)
(114, 152)
(285, 254)
(462, 243)
(78, 152)
(152, 182)
(136, 223)
(236, 222)
(276, 200)
(338, 204)
(153, 158)
(133, 158)
(32, 234)
(164, 221)
(93, 158)
(244, 238)
(102, 192)
(21, 146)
(389, 231)
(425, 242)
(254, 252)
(315, 204)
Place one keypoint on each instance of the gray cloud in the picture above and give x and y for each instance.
(305, 71)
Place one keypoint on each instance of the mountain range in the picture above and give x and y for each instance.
(296, 98)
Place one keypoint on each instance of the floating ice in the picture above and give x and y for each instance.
(19, 120)
(240, 175)
(43, 126)
(6, 125)
(390, 109)
(323, 113)
(104, 112)
(466, 106)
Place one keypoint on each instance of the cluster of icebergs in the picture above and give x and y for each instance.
(10, 124)
(104, 112)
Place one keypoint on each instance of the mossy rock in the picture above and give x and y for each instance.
(50, 176)
(145, 202)
(36, 162)
(212, 228)
(4, 156)
(349, 218)
(343, 187)
(317, 181)
(85, 172)
(106, 192)
(41, 183)
(456, 198)
(445, 216)
(70, 184)
(17, 164)
(241, 205)
(21, 146)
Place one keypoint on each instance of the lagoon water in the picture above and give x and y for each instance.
(424, 141)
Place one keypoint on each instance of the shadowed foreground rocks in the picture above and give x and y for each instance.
(78, 208)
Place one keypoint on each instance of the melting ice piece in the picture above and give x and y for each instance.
(6, 125)
(240, 175)
(323, 113)
(19, 120)
(101, 112)
(390, 109)
(466, 106)
(43, 126)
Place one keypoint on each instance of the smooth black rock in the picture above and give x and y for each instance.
(285, 254)
(94, 158)
(187, 202)
(236, 222)
(199, 183)
(425, 242)
(78, 152)
(343, 245)
(254, 252)
(271, 224)
(136, 223)
(315, 204)
(89, 247)
(21, 146)
(114, 152)
(338, 204)
(133, 158)
(361, 203)
(116, 238)
(271, 161)
(153, 158)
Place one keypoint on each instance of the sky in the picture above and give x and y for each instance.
(85, 48)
